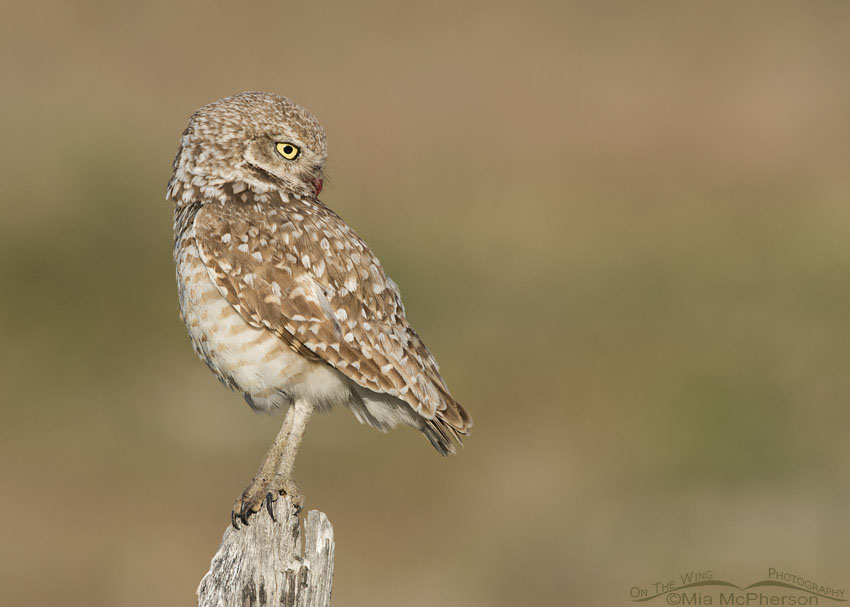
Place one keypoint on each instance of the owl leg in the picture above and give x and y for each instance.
(283, 482)
(275, 474)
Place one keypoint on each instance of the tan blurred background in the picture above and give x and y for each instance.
(622, 229)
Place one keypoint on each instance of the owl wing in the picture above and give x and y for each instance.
(306, 276)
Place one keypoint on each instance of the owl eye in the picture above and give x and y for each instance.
(287, 150)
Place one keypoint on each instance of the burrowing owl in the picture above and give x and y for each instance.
(283, 301)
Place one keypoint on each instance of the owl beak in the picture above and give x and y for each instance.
(318, 182)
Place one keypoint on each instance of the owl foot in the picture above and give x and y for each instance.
(264, 492)
(288, 488)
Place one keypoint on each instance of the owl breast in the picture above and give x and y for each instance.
(256, 362)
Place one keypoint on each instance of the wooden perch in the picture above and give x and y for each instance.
(263, 564)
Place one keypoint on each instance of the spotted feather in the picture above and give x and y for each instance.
(290, 265)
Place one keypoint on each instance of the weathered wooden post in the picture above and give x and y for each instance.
(264, 565)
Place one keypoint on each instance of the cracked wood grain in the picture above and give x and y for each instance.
(266, 564)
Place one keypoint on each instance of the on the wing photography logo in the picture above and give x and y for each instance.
(705, 588)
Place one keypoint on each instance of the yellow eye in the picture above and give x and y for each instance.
(287, 150)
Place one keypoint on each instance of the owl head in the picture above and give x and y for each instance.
(257, 141)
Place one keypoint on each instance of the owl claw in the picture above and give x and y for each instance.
(244, 517)
(270, 499)
(264, 493)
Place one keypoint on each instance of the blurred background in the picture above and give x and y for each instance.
(622, 229)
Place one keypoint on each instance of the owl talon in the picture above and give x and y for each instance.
(270, 499)
(243, 516)
(262, 493)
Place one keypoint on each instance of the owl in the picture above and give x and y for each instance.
(283, 301)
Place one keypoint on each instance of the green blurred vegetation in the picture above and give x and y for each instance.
(622, 230)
